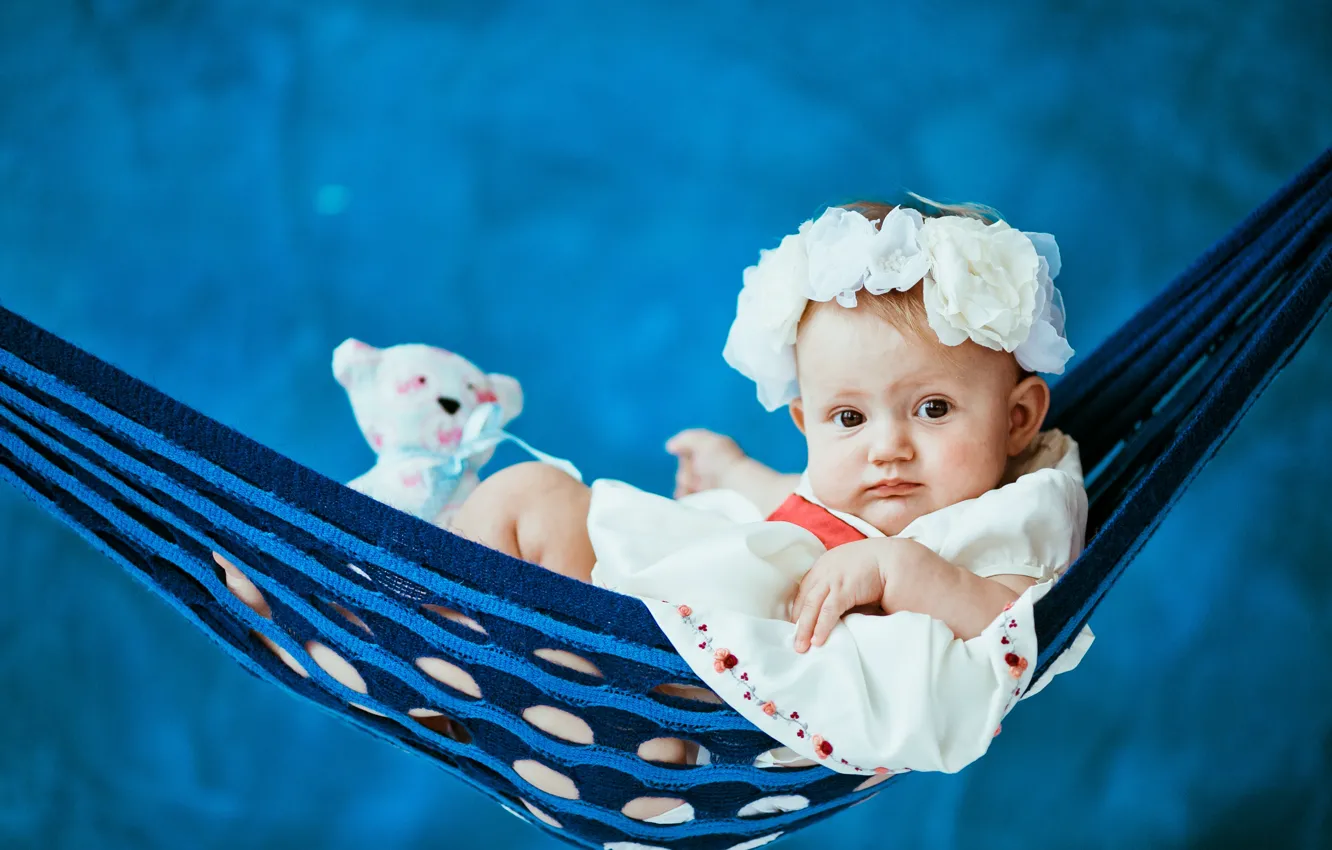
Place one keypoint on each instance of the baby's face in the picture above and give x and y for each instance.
(895, 428)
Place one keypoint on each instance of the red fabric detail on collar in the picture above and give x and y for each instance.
(830, 530)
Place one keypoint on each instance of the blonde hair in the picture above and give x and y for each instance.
(905, 311)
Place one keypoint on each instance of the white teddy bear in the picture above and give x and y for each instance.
(413, 403)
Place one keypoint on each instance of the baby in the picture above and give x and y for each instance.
(905, 410)
(905, 348)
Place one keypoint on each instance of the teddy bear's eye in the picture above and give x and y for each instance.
(420, 379)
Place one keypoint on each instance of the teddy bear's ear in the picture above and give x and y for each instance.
(354, 362)
(508, 393)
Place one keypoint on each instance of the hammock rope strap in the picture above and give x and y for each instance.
(1137, 340)
(1156, 424)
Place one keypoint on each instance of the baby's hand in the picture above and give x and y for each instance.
(841, 579)
(705, 458)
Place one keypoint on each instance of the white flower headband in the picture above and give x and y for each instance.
(985, 282)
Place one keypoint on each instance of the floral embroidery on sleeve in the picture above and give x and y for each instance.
(725, 661)
(1017, 665)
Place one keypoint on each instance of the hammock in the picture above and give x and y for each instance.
(158, 487)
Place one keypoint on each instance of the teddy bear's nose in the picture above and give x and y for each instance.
(450, 405)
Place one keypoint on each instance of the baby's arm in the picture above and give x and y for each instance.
(916, 578)
(765, 487)
(898, 574)
(709, 461)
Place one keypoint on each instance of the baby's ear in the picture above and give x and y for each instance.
(508, 393)
(355, 362)
(797, 408)
(1028, 404)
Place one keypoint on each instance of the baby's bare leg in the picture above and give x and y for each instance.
(535, 512)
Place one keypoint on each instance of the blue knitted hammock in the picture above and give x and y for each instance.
(158, 487)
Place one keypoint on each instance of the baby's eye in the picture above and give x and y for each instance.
(935, 408)
(850, 418)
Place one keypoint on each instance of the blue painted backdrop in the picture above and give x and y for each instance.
(213, 195)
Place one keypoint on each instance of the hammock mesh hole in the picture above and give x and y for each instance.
(450, 674)
(336, 666)
(546, 779)
(776, 805)
(559, 723)
(281, 652)
(782, 758)
(562, 660)
(346, 614)
(540, 815)
(651, 809)
(441, 724)
(686, 696)
(670, 751)
(452, 616)
(241, 587)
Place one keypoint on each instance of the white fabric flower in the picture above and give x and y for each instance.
(983, 282)
(1046, 349)
(840, 244)
(761, 342)
(897, 261)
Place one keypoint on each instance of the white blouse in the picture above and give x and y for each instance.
(885, 693)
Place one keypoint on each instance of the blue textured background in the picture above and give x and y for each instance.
(213, 195)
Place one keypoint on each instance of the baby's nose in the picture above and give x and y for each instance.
(891, 443)
(450, 405)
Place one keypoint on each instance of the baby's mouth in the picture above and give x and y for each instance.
(895, 487)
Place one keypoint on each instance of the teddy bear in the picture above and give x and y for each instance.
(413, 403)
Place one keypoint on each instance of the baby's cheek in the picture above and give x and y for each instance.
(834, 476)
(968, 469)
